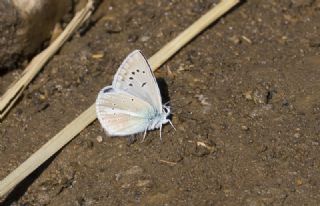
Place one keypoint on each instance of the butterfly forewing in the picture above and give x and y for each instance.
(136, 78)
(121, 113)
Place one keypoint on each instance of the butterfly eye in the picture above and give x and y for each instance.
(165, 109)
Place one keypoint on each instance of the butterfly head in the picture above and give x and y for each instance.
(165, 113)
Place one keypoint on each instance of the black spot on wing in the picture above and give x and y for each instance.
(131, 78)
(138, 70)
(133, 73)
(109, 89)
(143, 84)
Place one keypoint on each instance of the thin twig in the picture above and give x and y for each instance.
(88, 116)
(168, 162)
(16, 89)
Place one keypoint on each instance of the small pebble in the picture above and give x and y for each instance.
(235, 39)
(299, 182)
(144, 38)
(132, 38)
(244, 128)
(99, 139)
(297, 135)
(248, 95)
(144, 183)
(259, 96)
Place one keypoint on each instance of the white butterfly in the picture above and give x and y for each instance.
(132, 104)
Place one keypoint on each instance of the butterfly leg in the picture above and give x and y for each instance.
(172, 125)
(160, 132)
(144, 135)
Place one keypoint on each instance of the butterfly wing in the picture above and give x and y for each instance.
(136, 78)
(121, 113)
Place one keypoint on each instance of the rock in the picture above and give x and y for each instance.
(204, 148)
(259, 96)
(25, 25)
(144, 183)
(297, 135)
(132, 38)
(248, 95)
(244, 128)
(99, 139)
(235, 39)
(144, 38)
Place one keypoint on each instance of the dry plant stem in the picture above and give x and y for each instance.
(15, 90)
(87, 117)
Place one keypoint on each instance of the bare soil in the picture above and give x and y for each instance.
(245, 96)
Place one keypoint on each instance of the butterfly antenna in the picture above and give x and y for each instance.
(172, 125)
(173, 100)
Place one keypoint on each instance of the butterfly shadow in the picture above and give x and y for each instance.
(163, 87)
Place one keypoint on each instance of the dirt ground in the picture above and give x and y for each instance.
(245, 99)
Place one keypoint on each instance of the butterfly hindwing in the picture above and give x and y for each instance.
(136, 78)
(121, 113)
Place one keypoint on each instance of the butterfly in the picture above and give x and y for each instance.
(132, 104)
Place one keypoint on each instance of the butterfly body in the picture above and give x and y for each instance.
(156, 120)
(132, 104)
